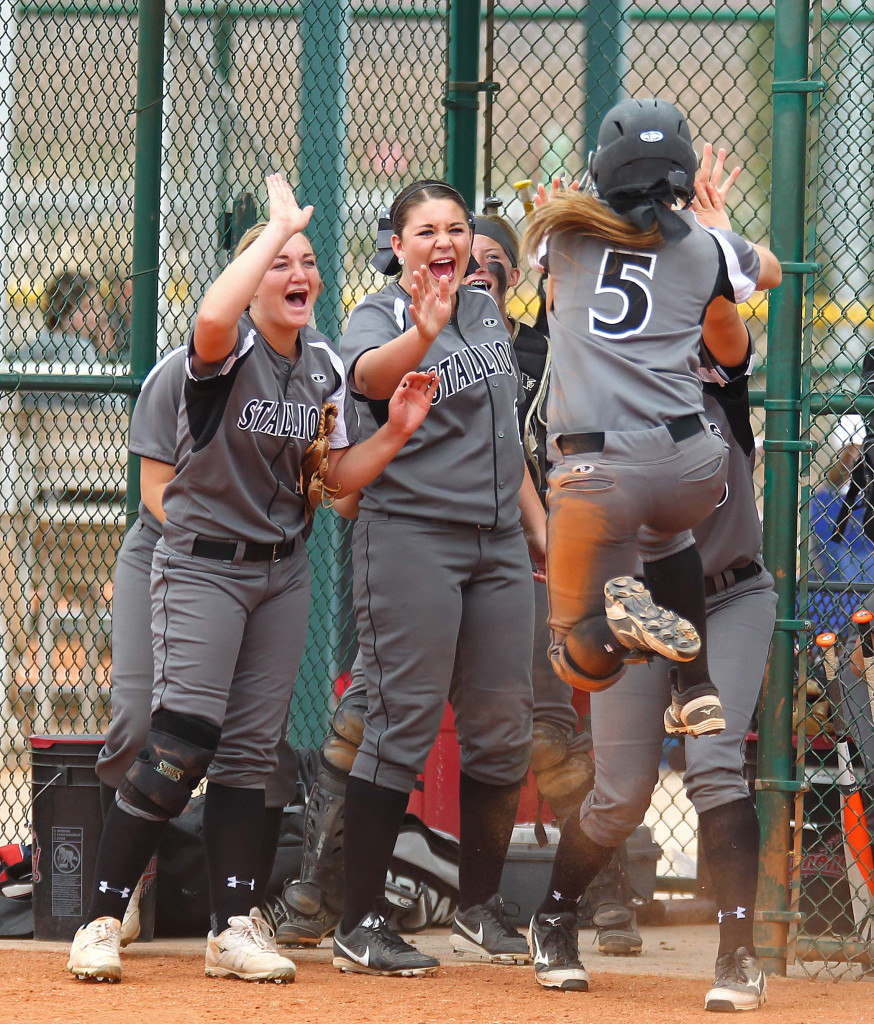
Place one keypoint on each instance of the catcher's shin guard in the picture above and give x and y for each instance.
(310, 906)
(312, 903)
(609, 899)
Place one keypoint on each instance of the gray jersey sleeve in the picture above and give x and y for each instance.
(741, 264)
(372, 322)
(346, 429)
(153, 424)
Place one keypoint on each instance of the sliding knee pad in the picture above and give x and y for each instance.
(570, 672)
(178, 751)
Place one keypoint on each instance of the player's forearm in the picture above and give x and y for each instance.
(154, 477)
(153, 499)
(228, 297)
(531, 510)
(361, 463)
(379, 370)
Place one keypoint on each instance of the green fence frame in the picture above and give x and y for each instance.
(780, 773)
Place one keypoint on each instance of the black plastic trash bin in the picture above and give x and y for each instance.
(67, 822)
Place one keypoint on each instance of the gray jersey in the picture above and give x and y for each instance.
(242, 432)
(626, 325)
(153, 424)
(465, 463)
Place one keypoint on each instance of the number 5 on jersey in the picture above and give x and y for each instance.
(625, 274)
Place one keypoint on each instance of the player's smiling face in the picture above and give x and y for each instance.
(289, 289)
(436, 236)
(496, 273)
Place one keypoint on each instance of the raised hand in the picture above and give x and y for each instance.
(431, 304)
(708, 202)
(556, 187)
(409, 405)
(284, 210)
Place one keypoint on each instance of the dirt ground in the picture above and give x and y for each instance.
(164, 984)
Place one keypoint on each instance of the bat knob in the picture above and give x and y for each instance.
(862, 617)
(519, 185)
(826, 640)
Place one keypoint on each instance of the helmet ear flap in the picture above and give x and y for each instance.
(587, 182)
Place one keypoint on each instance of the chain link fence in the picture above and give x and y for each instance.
(833, 882)
(185, 108)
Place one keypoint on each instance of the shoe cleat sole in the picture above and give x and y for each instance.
(640, 624)
(408, 972)
(96, 978)
(466, 947)
(222, 972)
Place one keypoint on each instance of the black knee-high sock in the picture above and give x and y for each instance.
(126, 845)
(232, 828)
(578, 859)
(729, 838)
(107, 798)
(592, 646)
(487, 816)
(267, 852)
(373, 817)
(677, 582)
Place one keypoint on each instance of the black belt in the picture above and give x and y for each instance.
(226, 550)
(723, 580)
(582, 444)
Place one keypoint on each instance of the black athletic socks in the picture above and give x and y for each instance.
(270, 830)
(107, 798)
(488, 814)
(677, 583)
(232, 828)
(729, 840)
(578, 859)
(373, 817)
(126, 847)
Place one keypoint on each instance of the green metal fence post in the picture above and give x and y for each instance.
(775, 758)
(321, 182)
(604, 30)
(462, 97)
(147, 211)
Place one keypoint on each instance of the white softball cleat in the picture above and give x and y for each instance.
(246, 950)
(94, 954)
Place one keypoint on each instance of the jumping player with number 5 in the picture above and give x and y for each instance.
(635, 464)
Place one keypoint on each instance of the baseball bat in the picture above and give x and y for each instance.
(863, 620)
(858, 854)
(524, 189)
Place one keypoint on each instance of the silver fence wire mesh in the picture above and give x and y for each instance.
(349, 100)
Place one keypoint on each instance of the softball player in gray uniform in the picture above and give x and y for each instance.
(635, 465)
(310, 906)
(626, 725)
(628, 735)
(230, 584)
(153, 438)
(440, 568)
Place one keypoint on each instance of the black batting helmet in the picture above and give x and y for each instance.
(642, 143)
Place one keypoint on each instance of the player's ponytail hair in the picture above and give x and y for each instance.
(249, 237)
(581, 213)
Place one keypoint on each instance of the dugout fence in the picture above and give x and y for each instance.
(135, 139)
